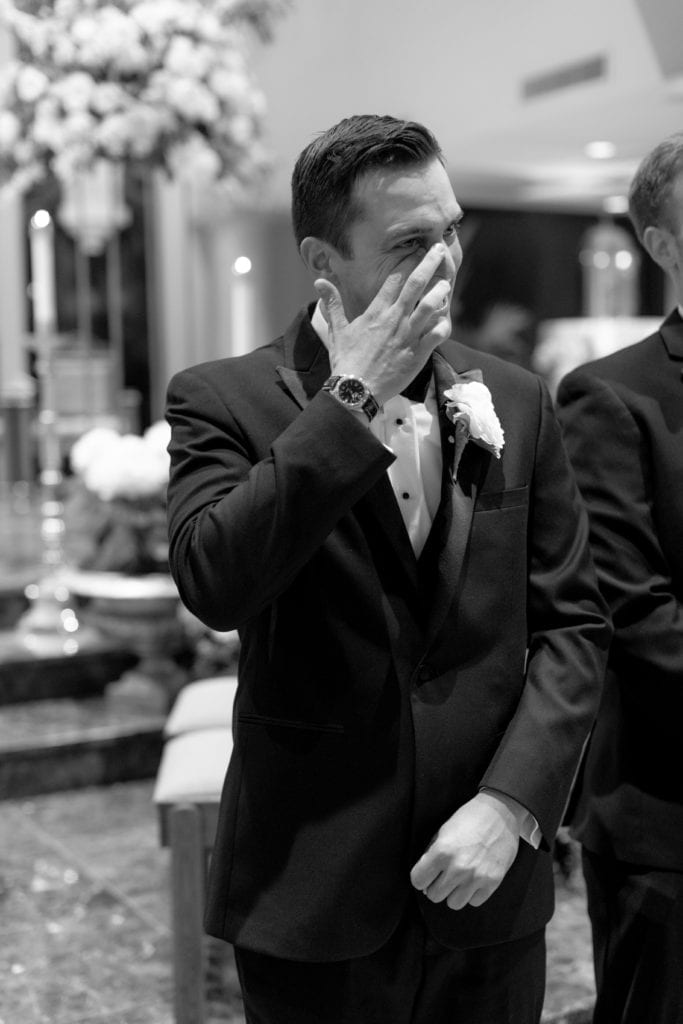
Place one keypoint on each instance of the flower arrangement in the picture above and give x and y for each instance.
(470, 407)
(115, 514)
(162, 83)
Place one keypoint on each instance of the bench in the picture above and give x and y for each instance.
(197, 748)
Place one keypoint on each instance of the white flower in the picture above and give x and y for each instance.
(469, 402)
(92, 447)
(75, 90)
(194, 160)
(185, 58)
(192, 100)
(31, 84)
(128, 466)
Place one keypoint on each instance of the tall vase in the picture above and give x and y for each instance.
(93, 211)
(93, 205)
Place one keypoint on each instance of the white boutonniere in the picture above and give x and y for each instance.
(470, 407)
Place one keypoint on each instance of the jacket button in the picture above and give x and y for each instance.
(425, 673)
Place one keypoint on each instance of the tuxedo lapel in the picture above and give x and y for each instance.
(442, 560)
(672, 335)
(307, 364)
(306, 369)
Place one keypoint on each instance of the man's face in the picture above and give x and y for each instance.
(402, 213)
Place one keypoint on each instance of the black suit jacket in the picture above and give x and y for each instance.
(623, 422)
(377, 692)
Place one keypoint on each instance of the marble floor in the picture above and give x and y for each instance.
(84, 919)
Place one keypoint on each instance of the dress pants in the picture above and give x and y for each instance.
(637, 920)
(411, 980)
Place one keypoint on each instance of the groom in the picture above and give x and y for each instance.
(390, 521)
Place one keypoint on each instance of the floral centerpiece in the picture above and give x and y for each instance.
(115, 513)
(159, 83)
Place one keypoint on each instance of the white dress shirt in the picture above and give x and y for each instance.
(410, 430)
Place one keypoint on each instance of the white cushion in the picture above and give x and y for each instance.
(193, 767)
(203, 704)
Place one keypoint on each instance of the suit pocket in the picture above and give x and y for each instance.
(491, 501)
(248, 718)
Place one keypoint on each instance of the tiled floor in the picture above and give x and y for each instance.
(84, 922)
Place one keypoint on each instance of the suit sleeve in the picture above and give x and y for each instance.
(569, 634)
(243, 522)
(613, 467)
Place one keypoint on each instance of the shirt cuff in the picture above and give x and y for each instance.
(529, 829)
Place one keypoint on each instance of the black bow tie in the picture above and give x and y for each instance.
(416, 391)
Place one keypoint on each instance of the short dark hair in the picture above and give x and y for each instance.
(327, 169)
(649, 198)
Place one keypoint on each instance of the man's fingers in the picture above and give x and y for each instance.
(415, 284)
(424, 872)
(331, 304)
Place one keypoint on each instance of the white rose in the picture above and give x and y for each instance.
(92, 446)
(107, 97)
(194, 161)
(30, 84)
(113, 135)
(48, 131)
(469, 402)
(241, 129)
(156, 16)
(192, 100)
(186, 59)
(75, 90)
(157, 436)
(230, 85)
(64, 51)
(146, 124)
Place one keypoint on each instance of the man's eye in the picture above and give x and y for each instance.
(411, 243)
(451, 232)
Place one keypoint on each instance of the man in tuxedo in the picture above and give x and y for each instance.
(623, 422)
(390, 521)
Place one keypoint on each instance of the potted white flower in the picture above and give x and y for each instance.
(115, 513)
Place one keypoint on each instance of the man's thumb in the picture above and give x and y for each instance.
(331, 304)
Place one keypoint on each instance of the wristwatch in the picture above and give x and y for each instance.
(352, 392)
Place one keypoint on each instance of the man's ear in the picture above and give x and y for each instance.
(659, 245)
(318, 256)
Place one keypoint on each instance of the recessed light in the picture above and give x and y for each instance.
(600, 149)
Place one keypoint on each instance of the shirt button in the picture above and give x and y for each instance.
(405, 495)
(451, 439)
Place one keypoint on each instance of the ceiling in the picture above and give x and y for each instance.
(499, 81)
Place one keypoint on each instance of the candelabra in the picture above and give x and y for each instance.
(51, 625)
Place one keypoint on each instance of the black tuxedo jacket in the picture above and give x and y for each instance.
(377, 692)
(623, 422)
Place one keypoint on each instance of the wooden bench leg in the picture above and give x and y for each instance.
(188, 892)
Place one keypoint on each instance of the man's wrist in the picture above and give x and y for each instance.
(353, 393)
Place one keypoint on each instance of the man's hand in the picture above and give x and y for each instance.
(389, 343)
(470, 854)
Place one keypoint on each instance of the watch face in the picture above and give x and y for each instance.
(351, 391)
